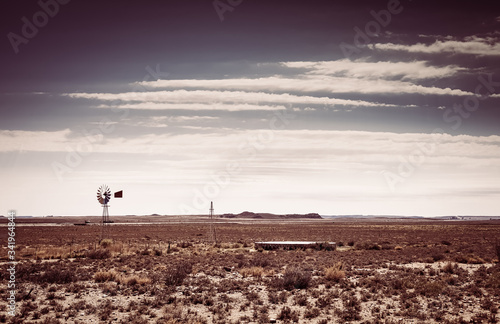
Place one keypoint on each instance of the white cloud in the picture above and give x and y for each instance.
(310, 83)
(215, 98)
(415, 70)
(470, 45)
(296, 146)
(38, 141)
(341, 76)
(193, 106)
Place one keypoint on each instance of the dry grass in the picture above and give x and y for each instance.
(135, 280)
(106, 243)
(252, 272)
(335, 273)
(103, 276)
(113, 275)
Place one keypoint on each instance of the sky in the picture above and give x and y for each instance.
(330, 107)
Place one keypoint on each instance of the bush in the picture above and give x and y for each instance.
(106, 242)
(99, 254)
(135, 280)
(286, 314)
(431, 289)
(368, 246)
(312, 313)
(352, 308)
(103, 276)
(252, 272)
(335, 273)
(57, 276)
(326, 246)
(184, 245)
(260, 260)
(175, 275)
(437, 257)
(449, 268)
(295, 278)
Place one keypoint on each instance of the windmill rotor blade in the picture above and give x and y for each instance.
(103, 194)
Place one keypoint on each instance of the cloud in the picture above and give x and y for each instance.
(297, 146)
(337, 77)
(472, 45)
(193, 106)
(415, 70)
(215, 98)
(38, 141)
(310, 83)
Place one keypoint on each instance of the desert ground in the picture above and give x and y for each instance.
(168, 270)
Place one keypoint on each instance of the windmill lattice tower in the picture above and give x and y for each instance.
(212, 235)
(103, 196)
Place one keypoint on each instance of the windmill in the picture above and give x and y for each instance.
(212, 235)
(103, 197)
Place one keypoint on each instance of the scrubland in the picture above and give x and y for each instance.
(391, 272)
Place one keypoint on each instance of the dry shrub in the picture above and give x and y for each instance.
(437, 257)
(286, 315)
(469, 258)
(326, 246)
(449, 268)
(494, 280)
(175, 275)
(135, 280)
(261, 260)
(103, 276)
(367, 246)
(106, 243)
(112, 275)
(58, 276)
(294, 278)
(252, 272)
(472, 259)
(99, 254)
(335, 273)
(431, 289)
(50, 320)
(301, 300)
(184, 245)
(351, 310)
(312, 313)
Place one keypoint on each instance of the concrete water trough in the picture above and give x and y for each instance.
(292, 245)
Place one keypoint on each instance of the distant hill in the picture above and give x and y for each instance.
(247, 214)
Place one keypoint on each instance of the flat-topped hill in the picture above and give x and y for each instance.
(247, 214)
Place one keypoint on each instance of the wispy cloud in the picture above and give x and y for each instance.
(172, 98)
(311, 83)
(414, 70)
(336, 77)
(473, 45)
